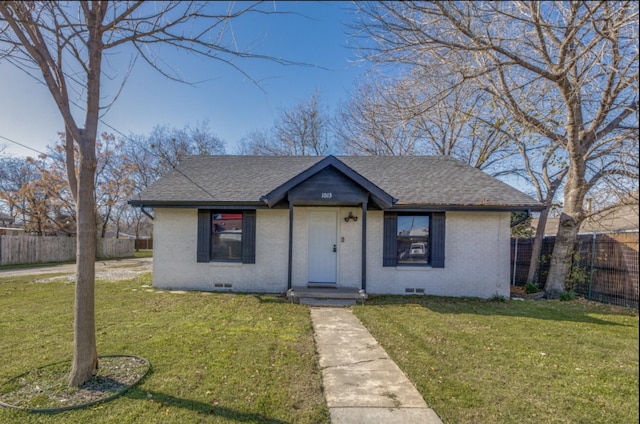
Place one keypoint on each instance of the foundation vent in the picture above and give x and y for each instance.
(408, 290)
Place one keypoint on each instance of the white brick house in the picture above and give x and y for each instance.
(388, 225)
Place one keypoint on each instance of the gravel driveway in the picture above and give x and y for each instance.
(120, 269)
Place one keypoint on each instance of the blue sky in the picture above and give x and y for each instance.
(231, 103)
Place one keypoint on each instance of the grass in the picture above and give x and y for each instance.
(38, 265)
(218, 358)
(476, 361)
(225, 358)
(143, 254)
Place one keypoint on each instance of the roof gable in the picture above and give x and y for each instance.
(380, 197)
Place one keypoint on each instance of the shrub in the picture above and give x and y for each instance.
(531, 287)
(497, 298)
(567, 295)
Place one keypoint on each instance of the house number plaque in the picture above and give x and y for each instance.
(326, 195)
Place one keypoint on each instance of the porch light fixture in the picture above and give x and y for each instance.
(349, 217)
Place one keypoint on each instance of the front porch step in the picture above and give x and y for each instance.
(321, 285)
(319, 295)
(313, 301)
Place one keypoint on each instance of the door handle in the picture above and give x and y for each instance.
(335, 248)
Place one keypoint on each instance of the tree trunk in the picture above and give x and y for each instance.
(103, 230)
(536, 249)
(570, 220)
(562, 256)
(85, 356)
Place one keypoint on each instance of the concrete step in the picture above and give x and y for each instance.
(313, 301)
(324, 293)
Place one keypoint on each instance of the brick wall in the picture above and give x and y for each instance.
(476, 259)
(477, 255)
(174, 257)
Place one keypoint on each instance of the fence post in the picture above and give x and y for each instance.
(515, 263)
(539, 261)
(593, 256)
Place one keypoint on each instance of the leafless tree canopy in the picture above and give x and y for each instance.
(410, 116)
(564, 71)
(299, 130)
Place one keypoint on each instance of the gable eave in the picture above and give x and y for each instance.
(382, 199)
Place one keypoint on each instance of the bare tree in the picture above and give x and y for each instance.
(15, 173)
(65, 45)
(153, 155)
(460, 122)
(537, 60)
(410, 115)
(302, 130)
(369, 124)
(547, 177)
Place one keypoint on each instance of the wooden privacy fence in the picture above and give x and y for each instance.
(144, 244)
(23, 249)
(604, 269)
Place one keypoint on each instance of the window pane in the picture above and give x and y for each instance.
(413, 239)
(226, 239)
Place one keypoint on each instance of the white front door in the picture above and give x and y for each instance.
(323, 246)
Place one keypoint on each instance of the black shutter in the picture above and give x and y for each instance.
(390, 240)
(249, 237)
(437, 239)
(204, 236)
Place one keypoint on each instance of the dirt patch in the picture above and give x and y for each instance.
(118, 270)
(47, 388)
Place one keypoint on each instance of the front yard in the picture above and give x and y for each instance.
(215, 357)
(248, 358)
(513, 362)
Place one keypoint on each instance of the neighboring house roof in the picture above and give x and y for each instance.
(4, 216)
(401, 181)
(617, 219)
(6, 219)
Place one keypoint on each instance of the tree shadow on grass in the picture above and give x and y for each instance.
(538, 309)
(270, 298)
(200, 407)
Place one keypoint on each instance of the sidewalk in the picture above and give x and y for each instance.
(362, 384)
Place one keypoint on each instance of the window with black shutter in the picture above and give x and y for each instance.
(414, 239)
(226, 236)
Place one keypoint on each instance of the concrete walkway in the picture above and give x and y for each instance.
(362, 385)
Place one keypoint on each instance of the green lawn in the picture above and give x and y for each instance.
(476, 361)
(244, 358)
(143, 254)
(215, 357)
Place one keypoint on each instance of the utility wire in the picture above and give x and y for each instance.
(22, 145)
(128, 138)
(160, 156)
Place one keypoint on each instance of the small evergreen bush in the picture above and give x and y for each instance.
(531, 287)
(567, 295)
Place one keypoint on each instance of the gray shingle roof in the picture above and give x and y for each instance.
(413, 180)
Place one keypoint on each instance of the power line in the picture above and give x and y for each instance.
(128, 138)
(160, 156)
(22, 145)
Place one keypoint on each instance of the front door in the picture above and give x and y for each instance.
(323, 246)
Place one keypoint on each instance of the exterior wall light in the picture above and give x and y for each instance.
(350, 216)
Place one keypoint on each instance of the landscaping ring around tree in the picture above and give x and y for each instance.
(46, 389)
